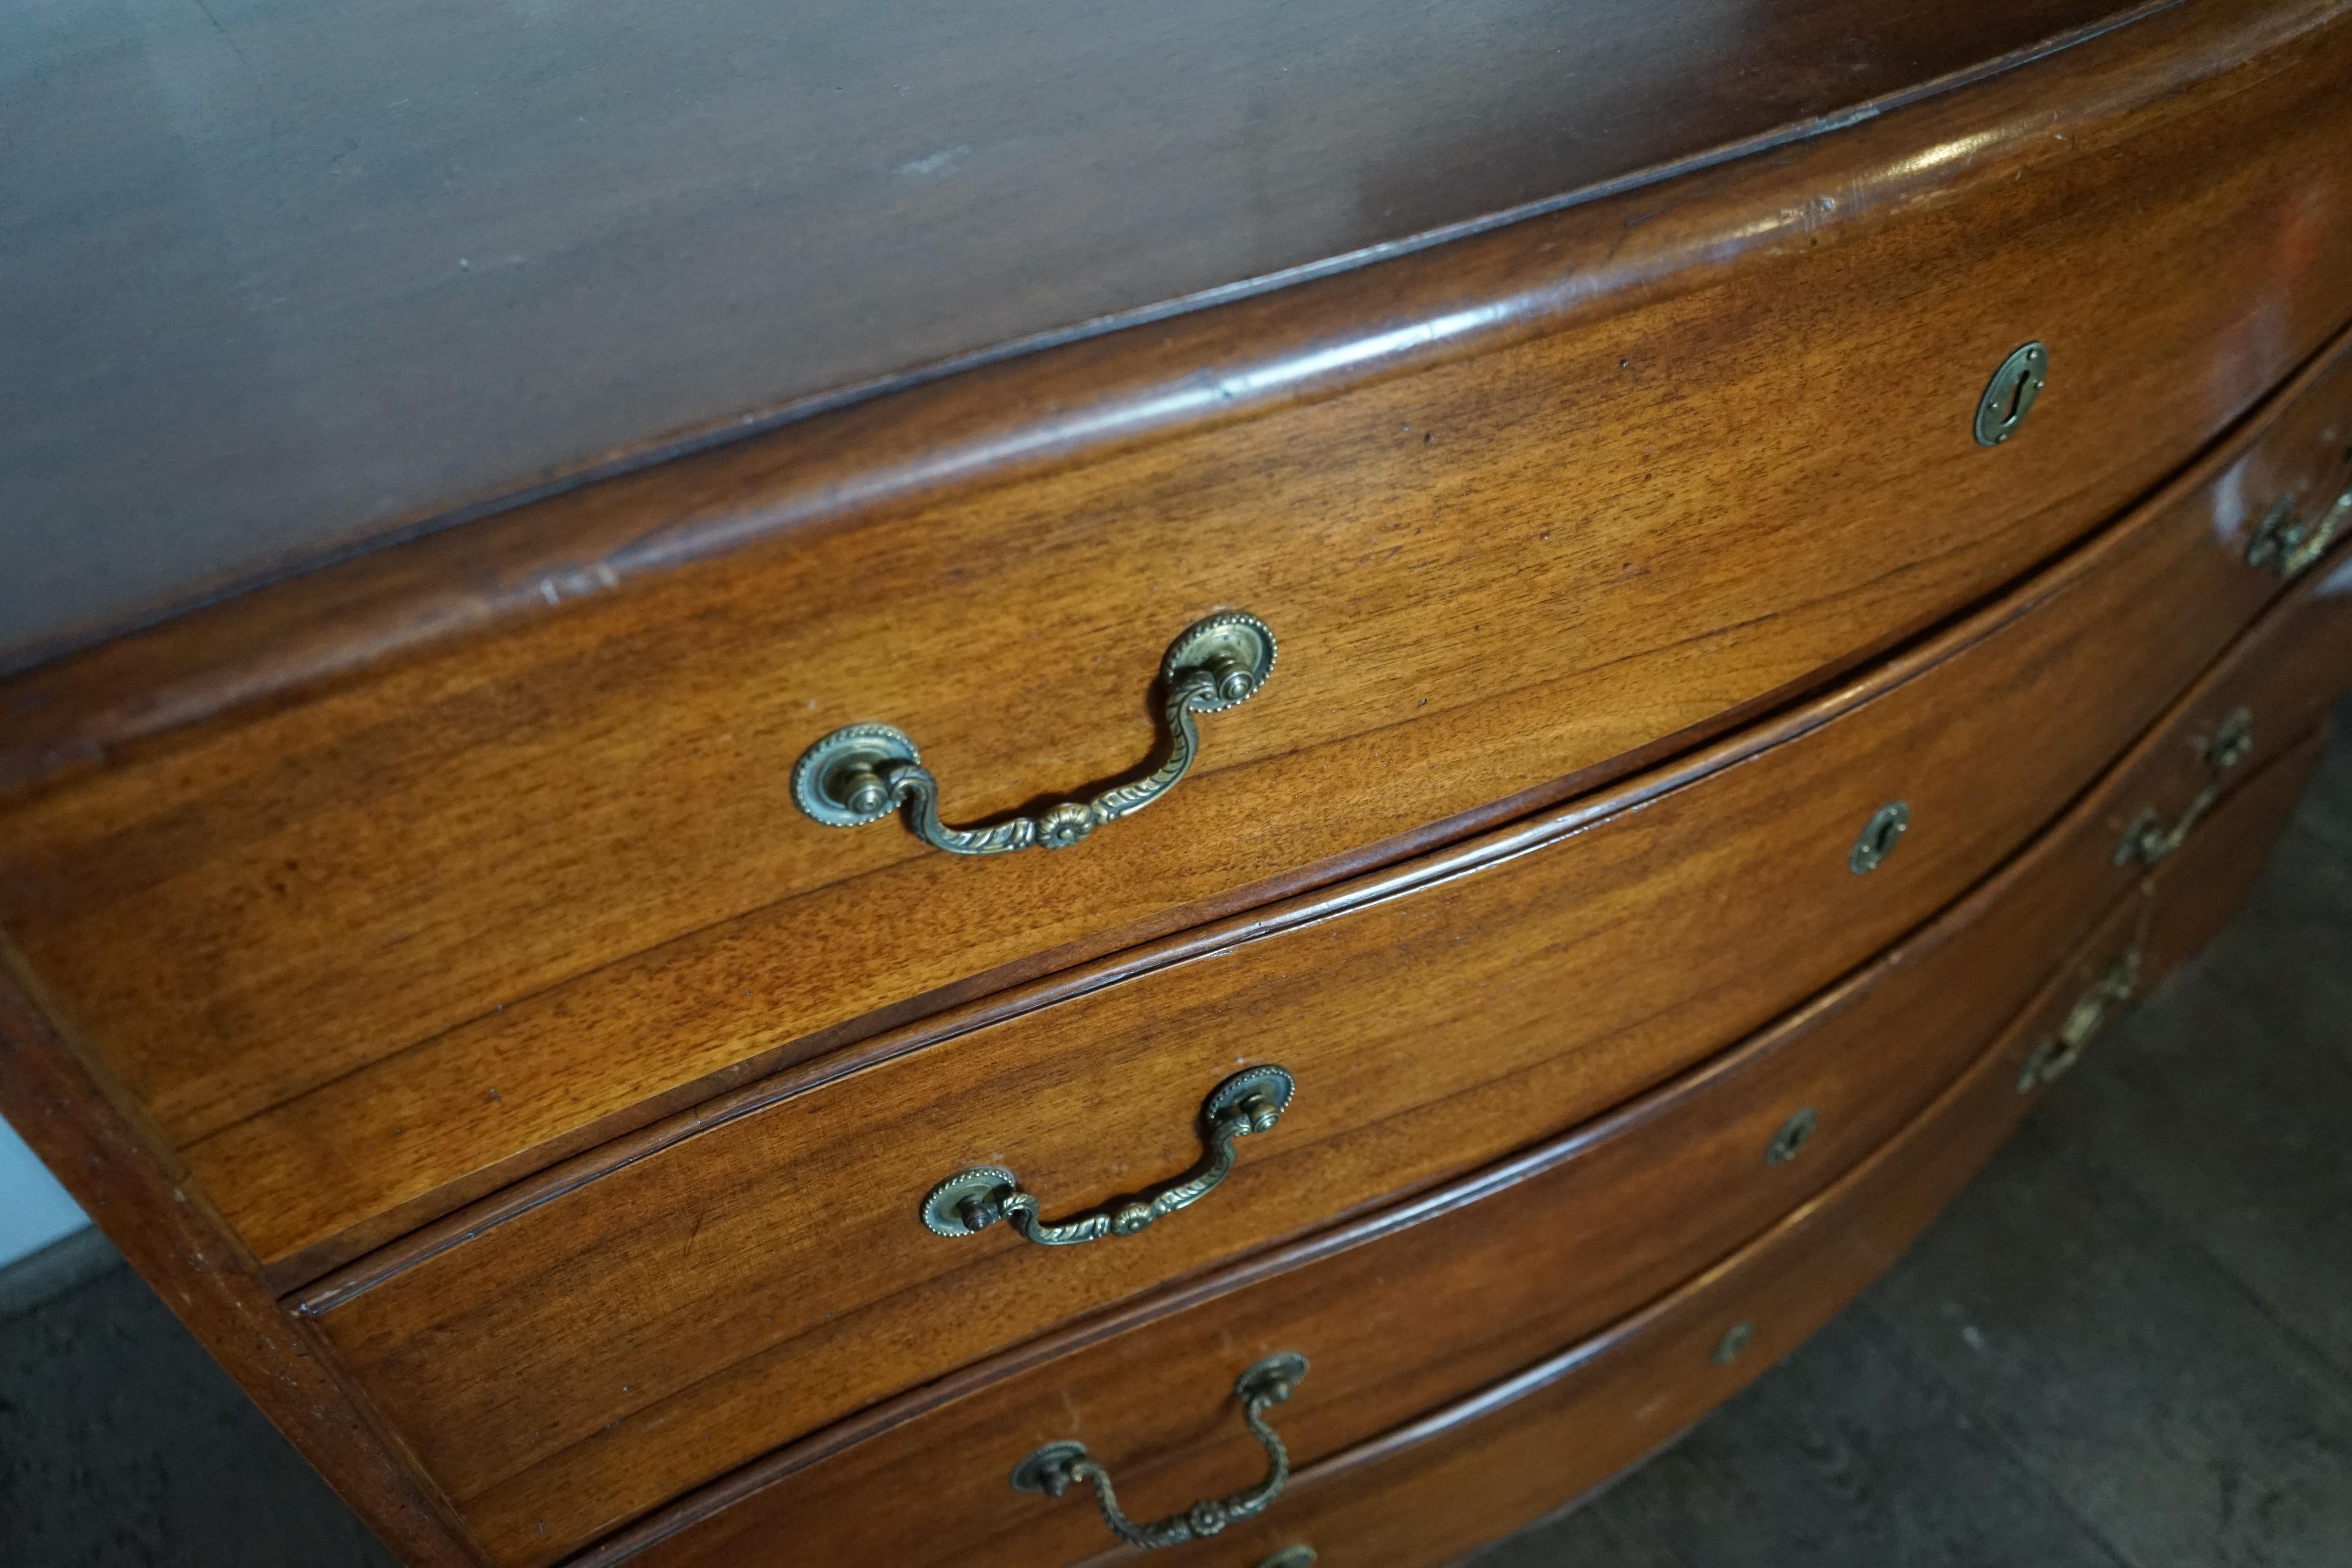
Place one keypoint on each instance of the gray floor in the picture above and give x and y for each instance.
(2129, 1344)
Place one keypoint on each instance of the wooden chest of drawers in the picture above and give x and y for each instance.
(1666, 723)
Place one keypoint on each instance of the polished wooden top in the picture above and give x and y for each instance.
(286, 278)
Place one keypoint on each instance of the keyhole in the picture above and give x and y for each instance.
(2008, 396)
(1794, 1135)
(1885, 828)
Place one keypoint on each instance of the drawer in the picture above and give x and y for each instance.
(298, 1162)
(2199, 889)
(1428, 1490)
(2276, 682)
(761, 1268)
(381, 945)
(1429, 1318)
(1462, 1474)
(1420, 1304)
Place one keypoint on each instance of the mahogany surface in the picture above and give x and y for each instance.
(759, 1276)
(338, 270)
(413, 958)
(1420, 1303)
(1204, 370)
(1470, 1469)
(1127, 1376)
(438, 928)
(303, 1160)
(1422, 1492)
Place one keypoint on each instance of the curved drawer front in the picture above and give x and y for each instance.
(763, 1267)
(2198, 890)
(2277, 683)
(1418, 1305)
(1424, 1492)
(406, 938)
(1420, 1325)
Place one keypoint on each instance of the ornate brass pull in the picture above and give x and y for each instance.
(2054, 1056)
(866, 772)
(1055, 1467)
(2287, 542)
(970, 1201)
(2148, 840)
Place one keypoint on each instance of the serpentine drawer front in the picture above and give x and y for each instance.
(1401, 1314)
(1424, 1489)
(760, 1270)
(518, 895)
(1408, 1308)
(1292, 919)
(1427, 1489)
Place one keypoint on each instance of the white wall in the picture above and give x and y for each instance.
(33, 1210)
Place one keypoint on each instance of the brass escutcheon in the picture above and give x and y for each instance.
(1887, 827)
(1792, 1136)
(2009, 396)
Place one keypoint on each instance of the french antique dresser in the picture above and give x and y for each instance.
(1013, 785)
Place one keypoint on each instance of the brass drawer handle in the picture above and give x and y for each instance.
(970, 1201)
(2287, 542)
(2148, 840)
(2090, 1013)
(1055, 1467)
(866, 772)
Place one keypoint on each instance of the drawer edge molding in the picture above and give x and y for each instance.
(1996, 1062)
(312, 1289)
(1871, 1216)
(1990, 1073)
(1463, 1194)
(507, 564)
(1855, 1190)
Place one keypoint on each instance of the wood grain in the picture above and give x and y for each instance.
(1479, 1468)
(2198, 890)
(393, 264)
(1421, 1303)
(1047, 410)
(300, 1159)
(1456, 1010)
(1424, 1492)
(418, 935)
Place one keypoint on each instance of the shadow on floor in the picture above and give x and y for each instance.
(2129, 1345)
